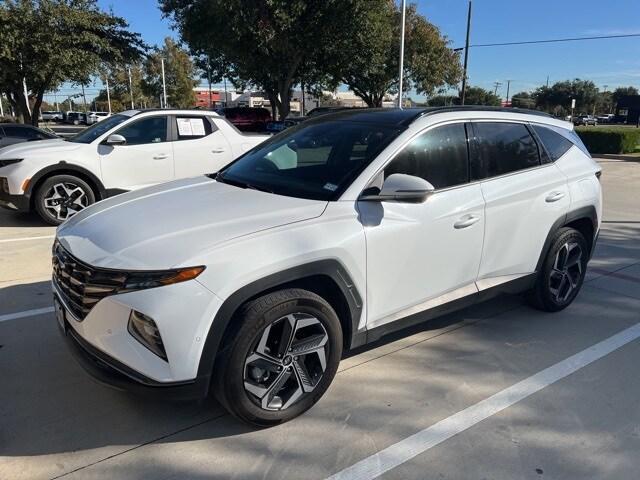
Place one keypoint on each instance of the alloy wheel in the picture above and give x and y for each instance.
(566, 272)
(287, 361)
(63, 200)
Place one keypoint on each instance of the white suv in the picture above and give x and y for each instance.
(252, 282)
(122, 152)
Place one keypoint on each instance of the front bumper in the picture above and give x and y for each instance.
(112, 373)
(17, 203)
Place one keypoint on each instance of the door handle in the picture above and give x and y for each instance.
(554, 197)
(466, 221)
(160, 156)
(218, 150)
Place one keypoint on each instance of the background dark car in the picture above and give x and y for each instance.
(585, 120)
(11, 133)
(247, 119)
(76, 118)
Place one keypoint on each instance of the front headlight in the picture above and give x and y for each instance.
(9, 161)
(144, 280)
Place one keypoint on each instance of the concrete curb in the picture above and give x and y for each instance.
(626, 158)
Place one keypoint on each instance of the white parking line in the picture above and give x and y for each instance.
(404, 450)
(26, 313)
(44, 237)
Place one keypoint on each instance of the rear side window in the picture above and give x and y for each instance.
(192, 128)
(502, 148)
(439, 156)
(555, 144)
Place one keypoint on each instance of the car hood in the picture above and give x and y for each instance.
(169, 225)
(28, 149)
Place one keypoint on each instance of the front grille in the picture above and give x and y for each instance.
(81, 285)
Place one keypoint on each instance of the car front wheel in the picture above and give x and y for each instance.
(281, 359)
(62, 196)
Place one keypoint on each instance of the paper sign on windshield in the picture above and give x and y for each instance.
(191, 127)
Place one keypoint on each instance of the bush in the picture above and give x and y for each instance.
(610, 140)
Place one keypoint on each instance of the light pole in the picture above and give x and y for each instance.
(164, 86)
(108, 94)
(466, 57)
(508, 87)
(404, 6)
(130, 87)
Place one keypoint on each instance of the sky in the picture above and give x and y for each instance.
(611, 62)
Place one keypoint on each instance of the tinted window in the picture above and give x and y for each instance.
(439, 156)
(312, 160)
(502, 148)
(23, 132)
(191, 128)
(555, 143)
(145, 131)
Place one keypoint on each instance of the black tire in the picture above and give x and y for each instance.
(550, 294)
(232, 367)
(69, 182)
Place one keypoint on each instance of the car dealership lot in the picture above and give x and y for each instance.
(55, 421)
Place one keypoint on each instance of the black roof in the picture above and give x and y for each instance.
(406, 116)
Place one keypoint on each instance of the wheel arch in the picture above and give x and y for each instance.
(583, 219)
(327, 278)
(64, 168)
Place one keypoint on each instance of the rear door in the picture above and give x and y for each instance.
(524, 197)
(199, 147)
(146, 158)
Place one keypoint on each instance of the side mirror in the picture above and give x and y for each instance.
(116, 139)
(399, 187)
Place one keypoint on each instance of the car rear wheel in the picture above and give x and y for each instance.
(62, 196)
(281, 359)
(562, 273)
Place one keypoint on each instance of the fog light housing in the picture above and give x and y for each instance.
(4, 184)
(145, 331)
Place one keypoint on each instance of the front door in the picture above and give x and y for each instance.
(421, 255)
(146, 158)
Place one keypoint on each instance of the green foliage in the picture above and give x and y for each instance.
(523, 100)
(620, 92)
(46, 42)
(119, 89)
(610, 140)
(270, 44)
(474, 96)
(179, 75)
(557, 98)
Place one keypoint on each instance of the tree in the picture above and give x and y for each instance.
(620, 92)
(179, 75)
(264, 43)
(523, 100)
(119, 88)
(557, 98)
(371, 60)
(474, 96)
(46, 42)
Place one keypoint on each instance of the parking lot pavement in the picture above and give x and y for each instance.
(54, 421)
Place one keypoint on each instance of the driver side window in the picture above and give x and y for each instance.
(439, 156)
(145, 131)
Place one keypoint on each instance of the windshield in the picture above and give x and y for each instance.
(313, 160)
(88, 135)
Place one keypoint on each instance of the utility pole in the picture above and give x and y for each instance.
(1, 109)
(547, 81)
(84, 100)
(508, 87)
(466, 57)
(164, 86)
(225, 90)
(302, 88)
(404, 7)
(496, 84)
(108, 94)
(130, 87)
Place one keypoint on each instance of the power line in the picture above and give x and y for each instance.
(554, 40)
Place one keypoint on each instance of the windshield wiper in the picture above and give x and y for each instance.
(218, 177)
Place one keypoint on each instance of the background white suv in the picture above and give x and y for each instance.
(122, 152)
(322, 239)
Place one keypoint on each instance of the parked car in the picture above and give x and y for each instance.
(11, 133)
(95, 117)
(251, 282)
(247, 119)
(52, 116)
(124, 152)
(76, 118)
(585, 120)
(279, 125)
(609, 118)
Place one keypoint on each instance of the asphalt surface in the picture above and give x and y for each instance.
(497, 391)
